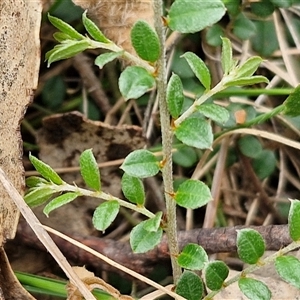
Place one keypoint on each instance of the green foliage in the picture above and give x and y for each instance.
(190, 286)
(294, 220)
(214, 112)
(145, 41)
(192, 257)
(134, 82)
(264, 163)
(89, 170)
(105, 58)
(292, 106)
(288, 267)
(254, 289)
(250, 245)
(38, 196)
(216, 273)
(175, 96)
(133, 189)
(250, 146)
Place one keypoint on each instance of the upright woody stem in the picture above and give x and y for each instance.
(167, 138)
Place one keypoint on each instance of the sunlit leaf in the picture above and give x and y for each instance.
(189, 286)
(133, 189)
(226, 56)
(247, 80)
(216, 273)
(105, 58)
(288, 267)
(249, 67)
(154, 223)
(214, 112)
(38, 196)
(294, 220)
(292, 103)
(254, 289)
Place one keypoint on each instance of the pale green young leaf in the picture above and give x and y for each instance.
(65, 28)
(216, 273)
(188, 16)
(141, 163)
(61, 37)
(134, 82)
(35, 181)
(189, 286)
(288, 268)
(192, 194)
(153, 224)
(199, 68)
(142, 240)
(38, 196)
(250, 245)
(294, 220)
(254, 289)
(89, 170)
(93, 29)
(105, 214)
(175, 97)
(105, 58)
(66, 50)
(226, 56)
(292, 103)
(192, 257)
(133, 189)
(195, 132)
(214, 112)
(249, 67)
(247, 81)
(59, 201)
(45, 170)
(145, 41)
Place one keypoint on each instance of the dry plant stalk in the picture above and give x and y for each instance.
(116, 17)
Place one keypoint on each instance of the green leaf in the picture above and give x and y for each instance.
(243, 28)
(145, 41)
(254, 289)
(294, 220)
(192, 194)
(38, 196)
(250, 146)
(134, 82)
(153, 224)
(215, 112)
(185, 156)
(189, 286)
(264, 164)
(46, 171)
(93, 29)
(143, 240)
(195, 132)
(59, 201)
(283, 4)
(192, 257)
(250, 245)
(216, 273)
(89, 170)
(249, 67)
(226, 56)
(133, 189)
(263, 9)
(292, 103)
(61, 37)
(141, 163)
(288, 267)
(66, 50)
(34, 181)
(188, 16)
(105, 58)
(214, 34)
(247, 80)
(199, 68)
(105, 214)
(65, 28)
(175, 97)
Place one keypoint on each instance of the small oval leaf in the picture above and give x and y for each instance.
(46, 171)
(59, 201)
(175, 97)
(38, 196)
(34, 181)
(249, 67)
(288, 267)
(105, 58)
(192, 257)
(199, 68)
(195, 132)
(153, 224)
(133, 189)
(93, 29)
(141, 163)
(105, 214)
(134, 82)
(65, 28)
(294, 220)
(214, 112)
(192, 194)
(189, 286)
(250, 245)
(216, 273)
(292, 103)
(188, 16)
(89, 170)
(142, 240)
(254, 289)
(145, 41)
